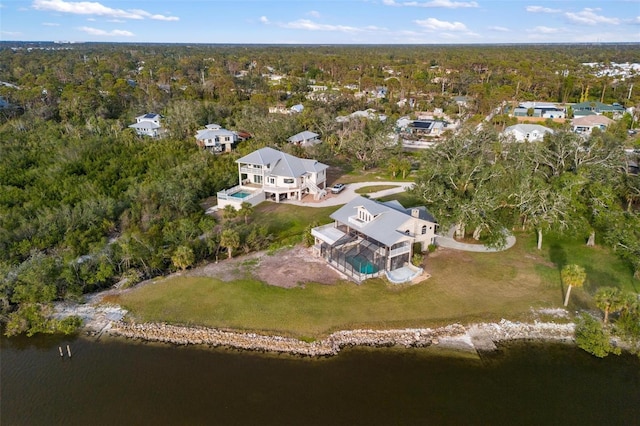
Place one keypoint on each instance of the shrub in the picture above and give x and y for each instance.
(591, 337)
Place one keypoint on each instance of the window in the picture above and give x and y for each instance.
(424, 229)
(288, 180)
(407, 232)
(272, 180)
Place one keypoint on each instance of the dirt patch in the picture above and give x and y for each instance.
(285, 268)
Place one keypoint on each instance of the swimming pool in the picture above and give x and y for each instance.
(362, 264)
(240, 194)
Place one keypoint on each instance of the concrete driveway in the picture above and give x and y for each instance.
(349, 192)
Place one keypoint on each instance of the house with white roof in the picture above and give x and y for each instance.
(526, 132)
(269, 174)
(370, 238)
(149, 125)
(216, 139)
(369, 114)
(305, 139)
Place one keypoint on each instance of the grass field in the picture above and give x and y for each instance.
(464, 287)
(374, 188)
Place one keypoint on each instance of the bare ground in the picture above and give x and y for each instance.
(287, 268)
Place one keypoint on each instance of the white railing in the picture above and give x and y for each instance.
(355, 221)
(400, 250)
(317, 191)
(227, 194)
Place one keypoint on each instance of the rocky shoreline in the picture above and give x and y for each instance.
(473, 338)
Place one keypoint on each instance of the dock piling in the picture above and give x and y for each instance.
(69, 351)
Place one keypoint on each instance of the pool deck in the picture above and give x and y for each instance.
(404, 274)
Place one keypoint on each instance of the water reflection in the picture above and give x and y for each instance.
(116, 382)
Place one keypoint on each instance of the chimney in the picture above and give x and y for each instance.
(415, 212)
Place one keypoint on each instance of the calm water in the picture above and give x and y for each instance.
(119, 383)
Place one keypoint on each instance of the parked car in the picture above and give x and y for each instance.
(337, 188)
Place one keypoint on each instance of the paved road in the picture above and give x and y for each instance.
(349, 192)
(449, 242)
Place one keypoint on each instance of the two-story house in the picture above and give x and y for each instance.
(370, 238)
(269, 174)
(149, 125)
(215, 138)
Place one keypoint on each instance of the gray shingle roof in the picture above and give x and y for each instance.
(388, 225)
(302, 136)
(282, 164)
(212, 133)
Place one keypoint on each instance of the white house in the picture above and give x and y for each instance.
(215, 138)
(370, 238)
(527, 132)
(269, 174)
(585, 124)
(305, 138)
(369, 114)
(149, 125)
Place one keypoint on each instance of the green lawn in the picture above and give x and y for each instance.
(287, 221)
(374, 188)
(464, 287)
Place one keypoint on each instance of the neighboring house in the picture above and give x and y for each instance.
(149, 125)
(539, 110)
(369, 114)
(279, 109)
(216, 139)
(282, 109)
(594, 107)
(370, 238)
(269, 174)
(527, 132)
(584, 125)
(427, 127)
(305, 138)
(298, 108)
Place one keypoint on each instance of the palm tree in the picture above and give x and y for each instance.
(572, 276)
(608, 299)
(231, 240)
(246, 210)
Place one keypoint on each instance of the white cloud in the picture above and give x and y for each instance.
(434, 24)
(543, 30)
(112, 33)
(306, 24)
(588, 16)
(264, 19)
(448, 4)
(540, 9)
(117, 21)
(11, 33)
(50, 24)
(314, 13)
(97, 9)
(499, 29)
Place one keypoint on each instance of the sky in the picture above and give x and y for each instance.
(322, 21)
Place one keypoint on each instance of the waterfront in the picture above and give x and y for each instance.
(120, 382)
